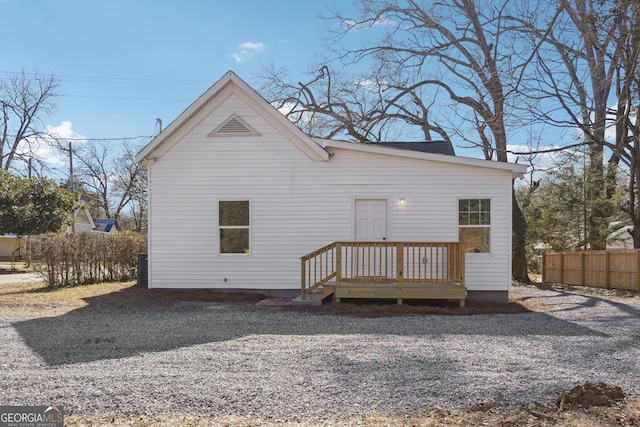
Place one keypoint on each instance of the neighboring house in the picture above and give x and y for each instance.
(621, 238)
(9, 246)
(238, 194)
(81, 221)
(106, 225)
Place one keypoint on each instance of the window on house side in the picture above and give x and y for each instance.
(474, 221)
(234, 227)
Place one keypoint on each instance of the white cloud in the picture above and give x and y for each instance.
(547, 156)
(45, 147)
(247, 50)
(64, 131)
(252, 46)
(371, 85)
(382, 21)
(286, 108)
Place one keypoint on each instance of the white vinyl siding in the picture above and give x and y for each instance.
(299, 205)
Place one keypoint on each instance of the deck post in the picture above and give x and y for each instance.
(461, 264)
(338, 263)
(637, 269)
(607, 270)
(399, 263)
(303, 270)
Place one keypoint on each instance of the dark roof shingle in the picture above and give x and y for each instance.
(434, 147)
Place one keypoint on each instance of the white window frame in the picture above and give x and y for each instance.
(234, 227)
(489, 225)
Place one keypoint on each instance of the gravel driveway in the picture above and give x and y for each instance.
(212, 358)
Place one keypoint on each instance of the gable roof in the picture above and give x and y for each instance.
(81, 215)
(315, 148)
(106, 225)
(163, 141)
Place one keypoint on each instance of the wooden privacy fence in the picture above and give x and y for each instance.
(612, 269)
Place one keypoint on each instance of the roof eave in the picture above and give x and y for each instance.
(516, 170)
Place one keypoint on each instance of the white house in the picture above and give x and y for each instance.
(238, 194)
(9, 247)
(81, 220)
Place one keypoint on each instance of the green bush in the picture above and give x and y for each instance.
(87, 258)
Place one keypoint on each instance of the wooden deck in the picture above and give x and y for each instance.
(385, 270)
(391, 290)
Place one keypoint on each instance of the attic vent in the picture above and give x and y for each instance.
(234, 125)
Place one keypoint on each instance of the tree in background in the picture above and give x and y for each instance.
(32, 206)
(113, 183)
(25, 98)
(586, 55)
(627, 110)
(558, 208)
(445, 68)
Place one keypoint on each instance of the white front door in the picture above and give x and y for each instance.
(371, 226)
(371, 220)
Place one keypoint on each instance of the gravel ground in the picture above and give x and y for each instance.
(216, 359)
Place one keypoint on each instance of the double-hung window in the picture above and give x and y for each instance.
(234, 226)
(474, 223)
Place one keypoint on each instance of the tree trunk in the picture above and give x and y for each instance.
(598, 220)
(519, 255)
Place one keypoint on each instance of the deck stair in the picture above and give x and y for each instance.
(318, 296)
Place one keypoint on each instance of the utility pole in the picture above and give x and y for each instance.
(73, 189)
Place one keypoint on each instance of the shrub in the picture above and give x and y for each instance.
(87, 258)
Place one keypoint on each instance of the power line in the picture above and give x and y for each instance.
(124, 98)
(104, 139)
(65, 139)
(100, 79)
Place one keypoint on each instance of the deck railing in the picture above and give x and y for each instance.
(388, 262)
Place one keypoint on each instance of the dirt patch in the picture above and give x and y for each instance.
(36, 297)
(378, 308)
(623, 412)
(589, 394)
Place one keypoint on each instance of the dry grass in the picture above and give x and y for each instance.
(27, 298)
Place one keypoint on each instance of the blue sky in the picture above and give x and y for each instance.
(124, 63)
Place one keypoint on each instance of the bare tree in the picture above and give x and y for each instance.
(130, 187)
(111, 175)
(627, 109)
(25, 98)
(366, 109)
(586, 53)
(445, 68)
